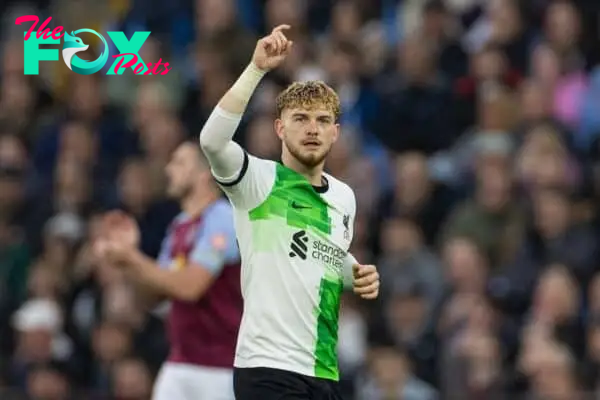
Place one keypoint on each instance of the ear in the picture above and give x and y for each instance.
(278, 125)
(336, 134)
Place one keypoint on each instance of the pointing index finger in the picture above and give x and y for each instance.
(281, 27)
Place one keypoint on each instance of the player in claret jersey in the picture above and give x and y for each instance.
(294, 228)
(198, 269)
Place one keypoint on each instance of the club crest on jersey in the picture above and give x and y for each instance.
(346, 221)
(219, 242)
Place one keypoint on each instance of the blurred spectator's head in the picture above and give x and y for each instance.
(44, 282)
(161, 136)
(372, 46)
(135, 189)
(417, 60)
(543, 159)
(208, 57)
(119, 305)
(496, 109)
(545, 65)
(12, 58)
(215, 16)
(390, 368)
(131, 380)
(482, 317)
(342, 62)
(72, 187)
(86, 97)
(37, 323)
(493, 154)
(562, 25)
(400, 237)
(552, 213)
(556, 297)
(484, 356)
(494, 187)
(412, 180)
(291, 12)
(188, 172)
(407, 310)
(47, 382)
(216, 83)
(111, 342)
(346, 20)
(506, 20)
(151, 52)
(13, 153)
(466, 265)
(152, 101)
(435, 19)
(12, 189)
(362, 176)
(17, 97)
(489, 64)
(78, 142)
(536, 101)
(262, 141)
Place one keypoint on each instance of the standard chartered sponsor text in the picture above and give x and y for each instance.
(329, 255)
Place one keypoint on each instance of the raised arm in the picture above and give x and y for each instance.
(224, 155)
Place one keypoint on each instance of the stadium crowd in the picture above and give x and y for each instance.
(471, 135)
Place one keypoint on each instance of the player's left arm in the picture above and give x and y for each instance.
(215, 247)
(364, 278)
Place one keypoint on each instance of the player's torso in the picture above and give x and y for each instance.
(293, 246)
(202, 332)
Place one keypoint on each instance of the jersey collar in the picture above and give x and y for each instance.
(319, 189)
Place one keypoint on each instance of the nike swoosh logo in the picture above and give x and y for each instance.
(299, 206)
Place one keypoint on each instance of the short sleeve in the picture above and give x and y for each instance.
(216, 244)
(252, 185)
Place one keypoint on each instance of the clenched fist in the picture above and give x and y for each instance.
(271, 50)
(366, 281)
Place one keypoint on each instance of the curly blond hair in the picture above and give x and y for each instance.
(309, 95)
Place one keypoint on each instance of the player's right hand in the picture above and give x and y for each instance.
(120, 227)
(272, 50)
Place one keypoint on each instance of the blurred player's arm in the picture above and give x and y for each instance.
(186, 284)
(215, 248)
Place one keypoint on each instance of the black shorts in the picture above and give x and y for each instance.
(276, 384)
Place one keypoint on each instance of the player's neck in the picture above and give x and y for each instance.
(195, 203)
(313, 174)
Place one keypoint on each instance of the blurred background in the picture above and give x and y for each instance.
(470, 134)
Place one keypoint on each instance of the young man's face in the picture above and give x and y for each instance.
(308, 134)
